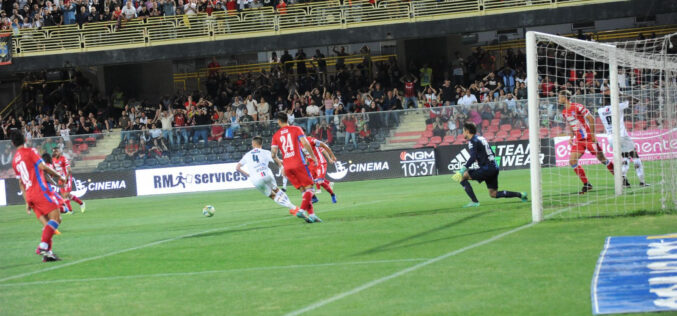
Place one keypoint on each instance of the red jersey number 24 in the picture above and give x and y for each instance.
(287, 145)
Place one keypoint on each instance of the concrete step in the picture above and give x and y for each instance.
(408, 134)
(97, 154)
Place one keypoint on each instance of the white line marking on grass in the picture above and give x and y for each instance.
(373, 283)
(175, 274)
(159, 242)
(596, 277)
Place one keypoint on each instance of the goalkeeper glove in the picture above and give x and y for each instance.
(458, 177)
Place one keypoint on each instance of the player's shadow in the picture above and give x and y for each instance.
(398, 243)
(234, 231)
(635, 213)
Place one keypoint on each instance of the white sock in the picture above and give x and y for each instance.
(282, 199)
(639, 168)
(284, 182)
(43, 245)
(625, 166)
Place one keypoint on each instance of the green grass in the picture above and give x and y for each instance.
(252, 258)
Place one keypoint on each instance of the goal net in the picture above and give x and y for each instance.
(629, 90)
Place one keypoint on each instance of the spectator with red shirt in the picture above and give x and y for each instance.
(350, 125)
(213, 67)
(180, 123)
(410, 93)
(323, 133)
(547, 88)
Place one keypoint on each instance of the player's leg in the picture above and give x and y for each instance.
(298, 179)
(54, 220)
(468, 188)
(321, 174)
(595, 149)
(277, 195)
(624, 168)
(492, 186)
(639, 168)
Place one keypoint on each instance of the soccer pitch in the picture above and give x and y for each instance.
(400, 246)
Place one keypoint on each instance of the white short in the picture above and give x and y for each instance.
(265, 184)
(627, 145)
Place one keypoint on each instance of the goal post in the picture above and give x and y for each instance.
(640, 75)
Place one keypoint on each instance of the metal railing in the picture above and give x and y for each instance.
(194, 79)
(221, 25)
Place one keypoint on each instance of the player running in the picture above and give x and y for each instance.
(290, 140)
(481, 152)
(63, 167)
(628, 151)
(256, 161)
(582, 126)
(320, 169)
(30, 170)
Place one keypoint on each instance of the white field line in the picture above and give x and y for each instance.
(192, 273)
(163, 241)
(373, 283)
(595, 279)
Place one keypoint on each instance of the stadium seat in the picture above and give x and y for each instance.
(435, 140)
(653, 124)
(127, 164)
(629, 126)
(502, 134)
(139, 162)
(176, 160)
(374, 146)
(211, 158)
(485, 123)
(497, 115)
(428, 133)
(363, 146)
(515, 133)
(506, 127)
(493, 128)
(429, 127)
(449, 139)
(495, 122)
(525, 135)
(422, 140)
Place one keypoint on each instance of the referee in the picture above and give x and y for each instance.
(481, 152)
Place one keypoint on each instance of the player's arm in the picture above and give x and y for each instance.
(328, 152)
(239, 168)
(591, 122)
(306, 145)
(273, 152)
(44, 167)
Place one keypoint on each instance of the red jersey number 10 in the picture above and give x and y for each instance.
(25, 177)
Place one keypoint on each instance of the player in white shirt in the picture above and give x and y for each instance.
(628, 151)
(256, 162)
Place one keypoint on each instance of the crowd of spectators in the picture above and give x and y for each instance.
(18, 14)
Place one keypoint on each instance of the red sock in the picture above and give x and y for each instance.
(76, 199)
(581, 173)
(307, 203)
(68, 203)
(47, 233)
(326, 186)
(610, 166)
(317, 185)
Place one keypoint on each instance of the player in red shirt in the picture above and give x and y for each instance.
(63, 167)
(30, 170)
(320, 168)
(290, 140)
(582, 127)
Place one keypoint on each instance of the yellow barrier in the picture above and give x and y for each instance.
(331, 14)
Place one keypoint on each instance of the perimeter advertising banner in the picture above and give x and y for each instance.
(509, 155)
(3, 193)
(657, 144)
(91, 185)
(383, 165)
(190, 179)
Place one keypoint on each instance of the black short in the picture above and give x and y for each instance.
(488, 175)
(632, 154)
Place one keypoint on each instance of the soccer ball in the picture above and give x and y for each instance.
(208, 211)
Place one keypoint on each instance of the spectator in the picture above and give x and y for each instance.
(350, 127)
(131, 149)
(426, 76)
(201, 122)
(410, 93)
(264, 110)
(252, 107)
(312, 112)
(166, 119)
(438, 127)
(217, 132)
(323, 132)
(467, 100)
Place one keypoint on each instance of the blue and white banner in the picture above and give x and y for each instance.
(190, 179)
(636, 274)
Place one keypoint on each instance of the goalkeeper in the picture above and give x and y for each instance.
(482, 154)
